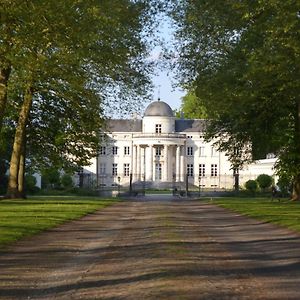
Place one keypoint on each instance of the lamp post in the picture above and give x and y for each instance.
(119, 180)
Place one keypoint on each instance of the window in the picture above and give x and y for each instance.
(190, 170)
(158, 151)
(213, 151)
(102, 150)
(201, 151)
(214, 170)
(190, 151)
(189, 137)
(202, 170)
(102, 169)
(157, 171)
(126, 150)
(126, 169)
(114, 150)
(114, 171)
(157, 128)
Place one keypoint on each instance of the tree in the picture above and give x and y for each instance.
(264, 181)
(192, 107)
(71, 45)
(51, 178)
(243, 58)
(67, 181)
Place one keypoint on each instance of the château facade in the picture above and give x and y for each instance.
(162, 151)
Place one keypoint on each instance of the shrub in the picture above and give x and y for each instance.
(264, 181)
(251, 185)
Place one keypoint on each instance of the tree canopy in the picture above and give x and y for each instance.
(243, 59)
(60, 64)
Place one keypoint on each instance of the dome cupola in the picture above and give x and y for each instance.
(159, 109)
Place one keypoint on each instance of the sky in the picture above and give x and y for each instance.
(164, 90)
(164, 82)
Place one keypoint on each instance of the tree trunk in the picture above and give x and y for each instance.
(296, 183)
(4, 76)
(296, 189)
(12, 190)
(21, 175)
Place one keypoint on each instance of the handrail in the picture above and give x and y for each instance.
(159, 135)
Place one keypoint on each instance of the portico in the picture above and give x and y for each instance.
(157, 160)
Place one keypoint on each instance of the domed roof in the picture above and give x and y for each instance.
(158, 108)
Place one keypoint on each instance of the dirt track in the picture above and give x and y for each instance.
(155, 250)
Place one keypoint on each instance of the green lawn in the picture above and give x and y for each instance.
(20, 218)
(286, 213)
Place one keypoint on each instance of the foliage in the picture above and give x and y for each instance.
(242, 58)
(51, 178)
(30, 184)
(251, 185)
(284, 183)
(23, 218)
(264, 181)
(67, 181)
(66, 66)
(192, 107)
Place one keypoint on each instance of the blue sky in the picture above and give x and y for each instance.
(165, 81)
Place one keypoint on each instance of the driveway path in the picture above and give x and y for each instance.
(155, 250)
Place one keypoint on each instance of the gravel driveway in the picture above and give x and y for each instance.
(155, 250)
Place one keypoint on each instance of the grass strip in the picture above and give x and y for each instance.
(285, 213)
(23, 218)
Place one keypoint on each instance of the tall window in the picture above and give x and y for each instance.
(102, 169)
(157, 128)
(190, 170)
(201, 151)
(158, 151)
(158, 171)
(214, 170)
(102, 150)
(114, 150)
(114, 170)
(202, 170)
(126, 150)
(126, 169)
(190, 151)
(213, 151)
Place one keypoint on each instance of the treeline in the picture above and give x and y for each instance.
(62, 63)
(240, 60)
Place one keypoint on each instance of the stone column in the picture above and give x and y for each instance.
(149, 163)
(133, 167)
(138, 163)
(143, 173)
(166, 167)
(182, 164)
(177, 162)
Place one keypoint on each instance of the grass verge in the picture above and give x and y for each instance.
(285, 213)
(22, 218)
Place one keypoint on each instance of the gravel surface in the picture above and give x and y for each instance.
(155, 249)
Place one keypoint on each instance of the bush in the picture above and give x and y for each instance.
(251, 185)
(264, 181)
